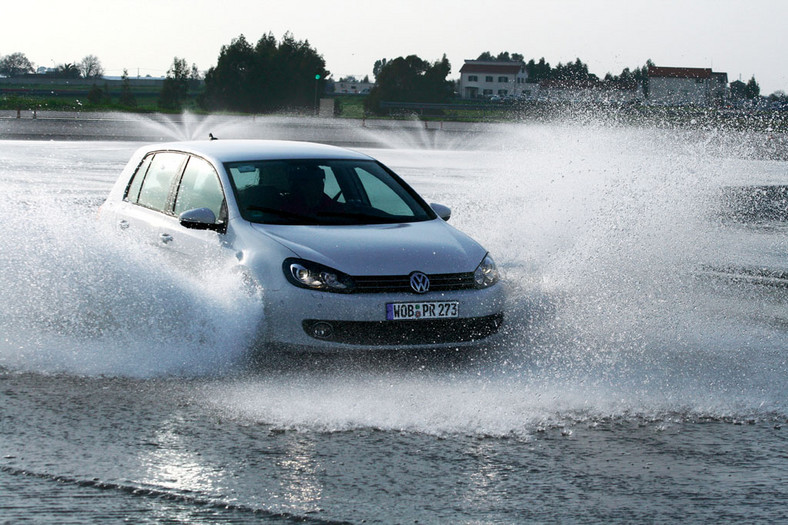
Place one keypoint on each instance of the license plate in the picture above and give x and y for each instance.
(425, 310)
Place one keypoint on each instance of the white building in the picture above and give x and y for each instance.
(352, 87)
(686, 86)
(484, 79)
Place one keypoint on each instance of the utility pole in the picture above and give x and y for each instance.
(317, 83)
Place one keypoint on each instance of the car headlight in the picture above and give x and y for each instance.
(486, 273)
(314, 276)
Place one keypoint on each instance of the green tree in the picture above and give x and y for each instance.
(271, 75)
(503, 56)
(778, 96)
(126, 96)
(176, 86)
(641, 76)
(15, 64)
(537, 71)
(379, 64)
(228, 85)
(575, 71)
(753, 90)
(410, 79)
(98, 96)
(194, 77)
(298, 65)
(68, 70)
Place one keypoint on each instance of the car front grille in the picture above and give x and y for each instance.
(401, 283)
(421, 332)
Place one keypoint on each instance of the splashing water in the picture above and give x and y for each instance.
(600, 231)
(76, 298)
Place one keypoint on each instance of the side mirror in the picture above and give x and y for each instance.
(444, 212)
(199, 219)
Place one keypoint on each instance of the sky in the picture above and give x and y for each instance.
(743, 38)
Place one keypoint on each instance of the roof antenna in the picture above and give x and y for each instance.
(210, 136)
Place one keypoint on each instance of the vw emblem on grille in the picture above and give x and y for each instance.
(419, 282)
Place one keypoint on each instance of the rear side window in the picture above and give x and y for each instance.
(161, 174)
(199, 188)
(133, 192)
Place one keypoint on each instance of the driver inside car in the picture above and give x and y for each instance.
(307, 196)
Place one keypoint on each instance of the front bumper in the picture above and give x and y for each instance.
(354, 321)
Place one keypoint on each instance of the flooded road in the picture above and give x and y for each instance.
(633, 382)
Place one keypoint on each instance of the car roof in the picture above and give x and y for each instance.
(246, 150)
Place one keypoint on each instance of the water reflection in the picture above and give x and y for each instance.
(168, 462)
(484, 476)
(299, 474)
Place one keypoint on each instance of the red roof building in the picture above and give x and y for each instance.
(686, 86)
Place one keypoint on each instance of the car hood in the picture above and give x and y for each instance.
(382, 249)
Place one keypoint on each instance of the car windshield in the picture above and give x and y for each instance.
(323, 192)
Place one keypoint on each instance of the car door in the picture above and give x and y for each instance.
(146, 208)
(198, 188)
(165, 185)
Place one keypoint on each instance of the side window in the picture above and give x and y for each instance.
(382, 196)
(156, 187)
(199, 188)
(133, 191)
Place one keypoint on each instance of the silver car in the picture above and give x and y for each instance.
(347, 255)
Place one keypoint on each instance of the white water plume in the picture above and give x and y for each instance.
(601, 233)
(599, 230)
(76, 298)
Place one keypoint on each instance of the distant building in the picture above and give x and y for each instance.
(352, 87)
(484, 79)
(686, 86)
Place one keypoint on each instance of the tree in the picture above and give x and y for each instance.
(753, 90)
(575, 72)
(90, 67)
(379, 64)
(269, 76)
(194, 77)
(503, 56)
(228, 85)
(778, 96)
(68, 70)
(537, 71)
(641, 76)
(410, 79)
(97, 96)
(15, 64)
(627, 79)
(176, 85)
(299, 67)
(126, 96)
